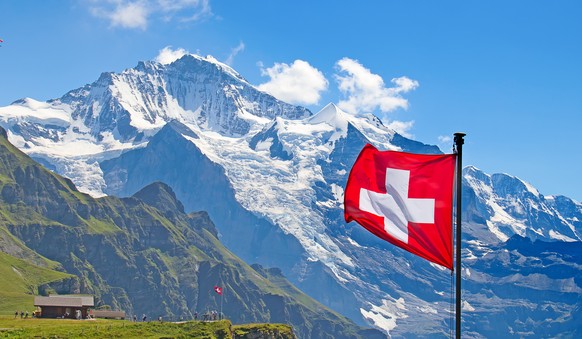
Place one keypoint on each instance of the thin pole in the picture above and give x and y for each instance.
(459, 141)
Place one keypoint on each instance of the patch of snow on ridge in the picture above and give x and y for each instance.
(338, 193)
(151, 108)
(375, 131)
(438, 267)
(501, 217)
(264, 145)
(427, 309)
(530, 188)
(222, 66)
(353, 242)
(385, 316)
(559, 236)
(33, 111)
(467, 307)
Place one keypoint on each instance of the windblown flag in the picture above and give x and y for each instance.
(405, 199)
(218, 290)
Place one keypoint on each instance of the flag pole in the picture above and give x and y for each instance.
(459, 141)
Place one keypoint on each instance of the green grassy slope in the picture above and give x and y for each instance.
(19, 281)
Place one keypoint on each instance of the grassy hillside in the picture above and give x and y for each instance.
(19, 282)
(101, 328)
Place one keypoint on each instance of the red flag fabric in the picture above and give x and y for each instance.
(218, 290)
(405, 199)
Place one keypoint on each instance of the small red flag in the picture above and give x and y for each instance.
(405, 199)
(218, 290)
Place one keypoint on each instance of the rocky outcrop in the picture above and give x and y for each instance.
(64, 286)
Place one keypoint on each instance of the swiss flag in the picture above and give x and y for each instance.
(405, 199)
(218, 290)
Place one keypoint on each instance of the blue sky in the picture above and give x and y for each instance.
(507, 73)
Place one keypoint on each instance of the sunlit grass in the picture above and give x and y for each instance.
(103, 328)
(11, 327)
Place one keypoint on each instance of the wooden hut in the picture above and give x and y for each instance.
(107, 314)
(64, 306)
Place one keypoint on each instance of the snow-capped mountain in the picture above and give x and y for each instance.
(271, 176)
(510, 206)
(121, 111)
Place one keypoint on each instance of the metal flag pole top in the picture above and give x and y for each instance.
(459, 141)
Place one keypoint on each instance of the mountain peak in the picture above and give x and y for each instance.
(331, 115)
(472, 172)
(179, 127)
(513, 184)
(187, 59)
(160, 196)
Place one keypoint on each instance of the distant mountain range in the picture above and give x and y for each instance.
(271, 176)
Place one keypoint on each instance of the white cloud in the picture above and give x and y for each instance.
(201, 10)
(234, 52)
(366, 91)
(402, 127)
(298, 83)
(125, 14)
(136, 14)
(445, 143)
(130, 15)
(177, 5)
(168, 55)
(443, 139)
(404, 84)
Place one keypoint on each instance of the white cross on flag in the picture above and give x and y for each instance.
(405, 199)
